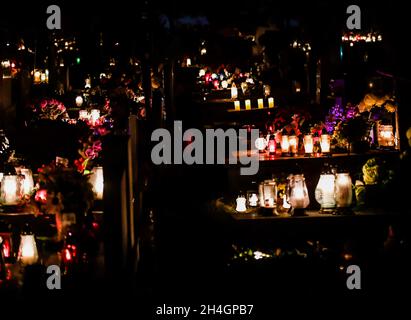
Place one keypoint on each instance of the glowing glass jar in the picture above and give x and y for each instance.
(268, 193)
(293, 141)
(325, 143)
(241, 202)
(343, 190)
(386, 137)
(97, 181)
(28, 253)
(297, 192)
(308, 144)
(325, 192)
(285, 144)
(27, 184)
(10, 193)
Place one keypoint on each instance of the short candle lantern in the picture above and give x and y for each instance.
(79, 101)
(28, 253)
(94, 115)
(268, 193)
(83, 115)
(325, 143)
(285, 144)
(298, 194)
(97, 181)
(343, 191)
(267, 90)
(260, 103)
(261, 144)
(252, 199)
(248, 104)
(325, 191)
(308, 144)
(10, 190)
(6, 243)
(237, 105)
(241, 203)
(224, 84)
(386, 136)
(234, 92)
(293, 141)
(272, 144)
(28, 182)
(188, 62)
(271, 102)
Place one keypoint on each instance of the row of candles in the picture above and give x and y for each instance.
(16, 186)
(260, 104)
(290, 144)
(333, 192)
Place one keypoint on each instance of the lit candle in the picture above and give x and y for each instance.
(241, 204)
(83, 115)
(10, 190)
(94, 116)
(308, 144)
(325, 191)
(298, 195)
(97, 181)
(325, 143)
(248, 104)
(237, 105)
(268, 192)
(343, 190)
(37, 77)
(79, 101)
(260, 144)
(267, 90)
(28, 182)
(386, 136)
(224, 84)
(234, 92)
(293, 141)
(188, 62)
(285, 144)
(28, 253)
(253, 200)
(260, 103)
(271, 102)
(43, 77)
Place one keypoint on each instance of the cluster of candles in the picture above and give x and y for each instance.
(27, 253)
(15, 186)
(260, 104)
(290, 144)
(93, 116)
(333, 192)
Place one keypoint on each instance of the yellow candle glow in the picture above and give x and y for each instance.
(325, 143)
(260, 103)
(97, 181)
(248, 104)
(237, 105)
(271, 102)
(308, 143)
(293, 141)
(285, 144)
(234, 92)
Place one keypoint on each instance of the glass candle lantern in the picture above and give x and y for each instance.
(252, 198)
(234, 92)
(244, 87)
(343, 190)
(27, 184)
(83, 115)
(268, 194)
(241, 204)
(248, 104)
(271, 102)
(260, 103)
(237, 105)
(308, 144)
(260, 144)
(325, 191)
(386, 136)
(272, 145)
(94, 116)
(6, 243)
(297, 192)
(224, 84)
(10, 190)
(293, 141)
(325, 143)
(97, 181)
(267, 90)
(79, 101)
(285, 144)
(28, 253)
